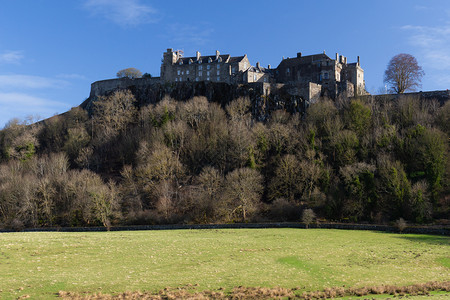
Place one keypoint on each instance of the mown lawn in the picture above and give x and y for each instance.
(41, 264)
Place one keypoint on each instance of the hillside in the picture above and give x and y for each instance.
(125, 158)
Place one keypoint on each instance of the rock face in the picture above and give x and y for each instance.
(265, 97)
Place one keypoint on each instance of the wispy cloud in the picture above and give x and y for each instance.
(72, 76)
(433, 44)
(123, 12)
(421, 7)
(183, 34)
(20, 105)
(30, 82)
(11, 57)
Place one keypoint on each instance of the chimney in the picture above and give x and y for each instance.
(257, 65)
(198, 56)
(299, 54)
(217, 54)
(268, 66)
(337, 57)
(358, 61)
(323, 51)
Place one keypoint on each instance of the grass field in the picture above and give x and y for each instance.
(41, 264)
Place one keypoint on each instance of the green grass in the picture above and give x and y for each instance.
(41, 264)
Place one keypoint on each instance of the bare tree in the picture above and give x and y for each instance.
(131, 73)
(403, 73)
(243, 190)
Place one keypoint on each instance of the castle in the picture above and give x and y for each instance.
(292, 85)
(312, 75)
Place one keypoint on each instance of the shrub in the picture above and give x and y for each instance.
(308, 216)
(401, 224)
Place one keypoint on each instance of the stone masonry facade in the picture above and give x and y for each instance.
(214, 68)
(310, 76)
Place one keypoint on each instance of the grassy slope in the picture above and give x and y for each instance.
(40, 264)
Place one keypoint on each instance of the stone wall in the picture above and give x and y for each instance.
(265, 97)
(435, 230)
(440, 96)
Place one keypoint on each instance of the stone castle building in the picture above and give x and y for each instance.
(311, 75)
(215, 68)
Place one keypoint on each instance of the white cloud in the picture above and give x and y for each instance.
(30, 82)
(20, 105)
(72, 76)
(190, 34)
(123, 12)
(11, 57)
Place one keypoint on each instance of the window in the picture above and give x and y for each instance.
(218, 72)
(196, 78)
(200, 73)
(182, 72)
(178, 72)
(207, 78)
(181, 79)
(255, 78)
(200, 68)
(207, 73)
(233, 70)
(208, 67)
(265, 79)
(288, 71)
(325, 75)
(176, 78)
(218, 78)
(181, 62)
(218, 66)
(320, 77)
(187, 72)
(245, 66)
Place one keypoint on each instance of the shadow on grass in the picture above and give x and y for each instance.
(429, 239)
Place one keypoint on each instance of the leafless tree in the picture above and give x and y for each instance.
(243, 190)
(403, 73)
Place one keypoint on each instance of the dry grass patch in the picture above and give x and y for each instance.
(266, 293)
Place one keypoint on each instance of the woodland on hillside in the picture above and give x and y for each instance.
(350, 160)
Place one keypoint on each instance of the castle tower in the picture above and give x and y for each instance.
(169, 59)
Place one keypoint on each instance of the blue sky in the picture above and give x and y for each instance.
(52, 50)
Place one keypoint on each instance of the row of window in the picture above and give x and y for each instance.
(197, 79)
(208, 67)
(200, 73)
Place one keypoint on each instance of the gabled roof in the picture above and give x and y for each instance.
(305, 59)
(236, 59)
(260, 70)
(205, 59)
